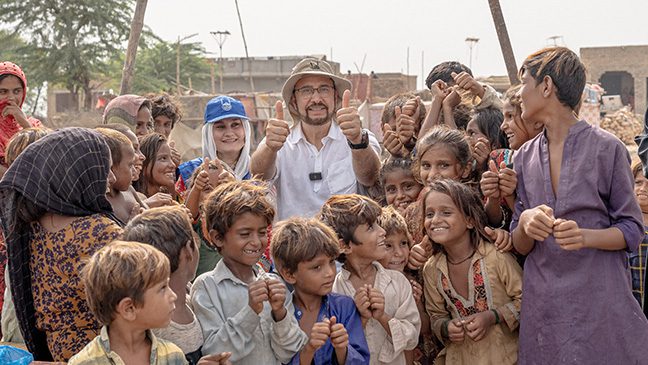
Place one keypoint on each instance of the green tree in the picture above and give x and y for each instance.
(155, 69)
(72, 42)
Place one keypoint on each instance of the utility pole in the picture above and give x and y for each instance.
(245, 45)
(221, 37)
(178, 89)
(472, 41)
(133, 42)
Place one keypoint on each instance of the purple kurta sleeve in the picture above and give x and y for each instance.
(623, 210)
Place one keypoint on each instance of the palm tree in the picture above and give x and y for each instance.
(504, 40)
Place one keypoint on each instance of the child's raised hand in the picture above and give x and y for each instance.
(501, 239)
(339, 335)
(201, 182)
(404, 125)
(477, 325)
(417, 291)
(277, 298)
(413, 108)
(467, 82)
(568, 235)
(377, 303)
(361, 299)
(452, 99)
(456, 331)
(481, 150)
(391, 142)
(489, 183)
(319, 334)
(160, 200)
(439, 90)
(257, 294)
(507, 180)
(175, 155)
(538, 222)
(216, 359)
(419, 254)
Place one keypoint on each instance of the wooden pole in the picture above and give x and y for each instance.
(133, 41)
(504, 41)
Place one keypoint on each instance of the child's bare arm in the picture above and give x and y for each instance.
(377, 307)
(200, 183)
(318, 336)
(439, 91)
(277, 298)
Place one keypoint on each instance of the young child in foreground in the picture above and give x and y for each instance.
(472, 290)
(127, 289)
(398, 243)
(241, 308)
(304, 251)
(169, 230)
(575, 218)
(393, 326)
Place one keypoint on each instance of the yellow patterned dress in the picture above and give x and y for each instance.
(59, 298)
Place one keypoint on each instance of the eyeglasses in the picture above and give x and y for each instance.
(307, 92)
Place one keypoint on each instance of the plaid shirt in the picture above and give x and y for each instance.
(98, 352)
(638, 270)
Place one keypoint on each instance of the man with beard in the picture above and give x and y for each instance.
(326, 151)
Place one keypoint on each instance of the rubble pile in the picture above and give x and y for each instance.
(624, 124)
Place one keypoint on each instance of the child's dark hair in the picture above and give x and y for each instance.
(166, 105)
(488, 121)
(166, 228)
(393, 223)
(443, 71)
(467, 202)
(565, 69)
(229, 201)
(299, 239)
(344, 213)
(400, 100)
(451, 138)
(392, 164)
(4, 76)
(149, 146)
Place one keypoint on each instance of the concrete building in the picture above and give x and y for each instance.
(268, 73)
(621, 70)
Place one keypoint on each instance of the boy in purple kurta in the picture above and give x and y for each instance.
(576, 218)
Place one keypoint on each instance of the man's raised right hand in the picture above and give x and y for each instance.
(277, 129)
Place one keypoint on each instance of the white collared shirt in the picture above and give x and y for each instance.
(297, 195)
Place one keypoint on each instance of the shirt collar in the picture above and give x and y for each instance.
(335, 133)
(104, 342)
(222, 272)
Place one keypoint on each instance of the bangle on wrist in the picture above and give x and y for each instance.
(497, 317)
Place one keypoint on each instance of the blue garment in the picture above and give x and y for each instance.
(345, 312)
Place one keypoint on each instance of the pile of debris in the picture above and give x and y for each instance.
(624, 124)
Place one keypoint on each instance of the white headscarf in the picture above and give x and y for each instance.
(242, 167)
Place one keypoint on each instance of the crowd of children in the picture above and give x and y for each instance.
(115, 251)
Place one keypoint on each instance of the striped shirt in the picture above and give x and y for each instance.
(638, 270)
(98, 352)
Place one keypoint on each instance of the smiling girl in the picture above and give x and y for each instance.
(473, 291)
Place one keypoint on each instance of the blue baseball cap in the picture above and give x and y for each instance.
(222, 107)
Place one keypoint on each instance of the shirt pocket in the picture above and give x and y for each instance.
(340, 177)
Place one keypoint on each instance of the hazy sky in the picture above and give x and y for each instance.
(384, 29)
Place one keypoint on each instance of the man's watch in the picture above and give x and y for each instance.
(364, 142)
